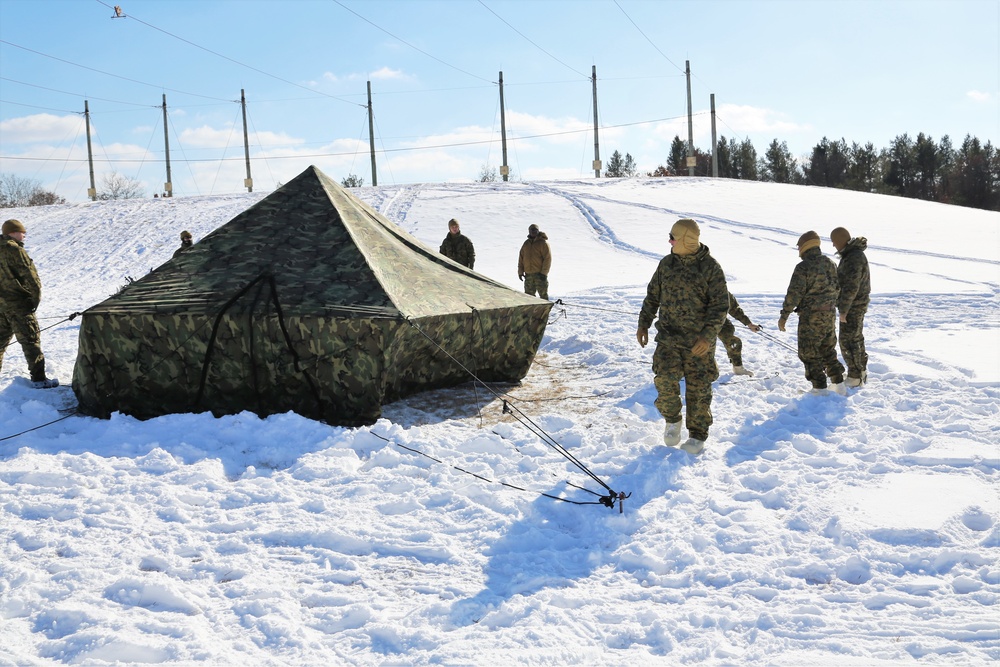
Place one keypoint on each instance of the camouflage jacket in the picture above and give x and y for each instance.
(688, 297)
(737, 312)
(20, 288)
(458, 247)
(854, 277)
(535, 256)
(813, 286)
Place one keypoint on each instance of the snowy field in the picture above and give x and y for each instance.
(858, 529)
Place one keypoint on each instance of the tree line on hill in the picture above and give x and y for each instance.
(968, 175)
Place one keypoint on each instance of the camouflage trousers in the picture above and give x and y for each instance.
(852, 344)
(818, 346)
(732, 343)
(671, 362)
(24, 326)
(536, 282)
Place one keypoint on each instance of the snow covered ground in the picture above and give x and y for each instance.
(815, 529)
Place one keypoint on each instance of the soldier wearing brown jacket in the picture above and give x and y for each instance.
(534, 261)
(20, 294)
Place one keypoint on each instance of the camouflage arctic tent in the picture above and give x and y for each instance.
(310, 301)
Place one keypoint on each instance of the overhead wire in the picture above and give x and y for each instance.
(530, 41)
(403, 41)
(225, 57)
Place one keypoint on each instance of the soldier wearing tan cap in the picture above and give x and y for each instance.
(812, 293)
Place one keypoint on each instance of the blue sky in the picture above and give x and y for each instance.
(795, 71)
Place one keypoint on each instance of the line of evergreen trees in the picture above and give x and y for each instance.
(921, 168)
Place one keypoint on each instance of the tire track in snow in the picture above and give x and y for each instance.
(577, 200)
(593, 218)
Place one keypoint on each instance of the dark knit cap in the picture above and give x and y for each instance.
(13, 225)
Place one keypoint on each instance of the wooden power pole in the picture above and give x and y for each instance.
(371, 134)
(92, 192)
(597, 143)
(504, 169)
(168, 187)
(715, 148)
(248, 181)
(691, 159)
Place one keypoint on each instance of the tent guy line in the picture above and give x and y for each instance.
(520, 416)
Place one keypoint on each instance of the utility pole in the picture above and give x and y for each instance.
(504, 169)
(371, 134)
(597, 143)
(168, 187)
(92, 192)
(715, 147)
(248, 181)
(691, 159)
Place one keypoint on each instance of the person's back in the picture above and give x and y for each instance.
(815, 281)
(854, 275)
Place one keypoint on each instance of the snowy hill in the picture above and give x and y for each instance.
(823, 529)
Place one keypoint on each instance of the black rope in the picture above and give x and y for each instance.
(607, 310)
(501, 483)
(774, 339)
(291, 348)
(35, 428)
(608, 500)
(215, 331)
(13, 338)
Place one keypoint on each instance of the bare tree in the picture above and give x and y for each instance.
(488, 174)
(118, 186)
(45, 198)
(17, 191)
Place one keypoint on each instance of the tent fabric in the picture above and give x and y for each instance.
(310, 301)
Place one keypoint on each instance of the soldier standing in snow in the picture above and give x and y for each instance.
(533, 263)
(689, 300)
(458, 247)
(812, 293)
(20, 294)
(732, 342)
(855, 290)
(187, 241)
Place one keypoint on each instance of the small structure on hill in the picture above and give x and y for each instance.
(310, 301)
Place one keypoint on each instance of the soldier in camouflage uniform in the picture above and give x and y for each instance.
(855, 290)
(458, 247)
(689, 299)
(187, 242)
(732, 342)
(20, 294)
(812, 293)
(533, 263)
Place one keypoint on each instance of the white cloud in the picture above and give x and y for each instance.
(209, 137)
(387, 74)
(40, 128)
(978, 96)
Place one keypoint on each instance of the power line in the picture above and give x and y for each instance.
(117, 76)
(647, 37)
(384, 150)
(531, 42)
(224, 57)
(400, 39)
